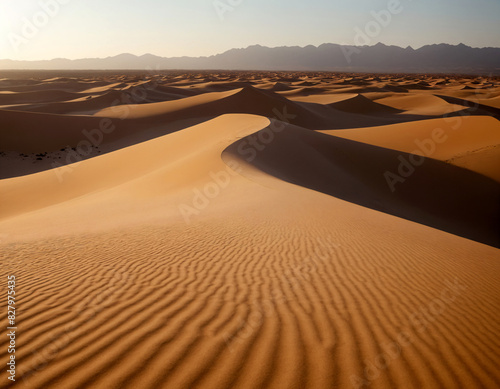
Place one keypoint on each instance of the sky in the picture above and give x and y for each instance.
(47, 29)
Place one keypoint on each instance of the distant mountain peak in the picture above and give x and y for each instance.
(124, 55)
(379, 58)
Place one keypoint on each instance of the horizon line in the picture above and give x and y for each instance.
(247, 47)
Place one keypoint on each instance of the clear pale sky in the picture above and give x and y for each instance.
(101, 28)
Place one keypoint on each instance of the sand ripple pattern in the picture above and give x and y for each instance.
(252, 304)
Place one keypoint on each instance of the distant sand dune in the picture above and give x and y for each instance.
(361, 104)
(460, 137)
(36, 97)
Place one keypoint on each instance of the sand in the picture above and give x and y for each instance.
(246, 230)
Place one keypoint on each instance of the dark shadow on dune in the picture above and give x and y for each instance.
(434, 193)
(473, 107)
(127, 133)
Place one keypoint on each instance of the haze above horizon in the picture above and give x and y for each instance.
(73, 29)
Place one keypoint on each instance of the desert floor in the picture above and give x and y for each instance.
(250, 230)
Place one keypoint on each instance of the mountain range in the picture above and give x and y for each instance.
(436, 58)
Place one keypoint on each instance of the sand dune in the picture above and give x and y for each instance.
(242, 232)
(35, 97)
(420, 104)
(451, 140)
(357, 172)
(132, 164)
(361, 104)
